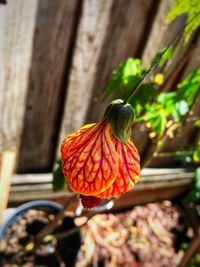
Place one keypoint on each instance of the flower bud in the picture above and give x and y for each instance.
(121, 117)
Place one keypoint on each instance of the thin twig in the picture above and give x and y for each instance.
(193, 247)
(74, 230)
(170, 154)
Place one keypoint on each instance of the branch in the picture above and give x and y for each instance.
(170, 154)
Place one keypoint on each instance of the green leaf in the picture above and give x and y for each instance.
(190, 87)
(197, 179)
(196, 155)
(124, 78)
(163, 58)
(197, 258)
(168, 102)
(156, 117)
(160, 126)
(189, 7)
(146, 94)
(166, 98)
(181, 108)
(184, 246)
(59, 181)
(190, 197)
(197, 123)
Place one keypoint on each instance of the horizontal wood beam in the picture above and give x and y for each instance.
(154, 185)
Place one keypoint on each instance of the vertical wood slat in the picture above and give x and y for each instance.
(154, 42)
(158, 32)
(109, 32)
(54, 27)
(17, 20)
(129, 21)
(91, 33)
(7, 164)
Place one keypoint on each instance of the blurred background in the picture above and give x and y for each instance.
(56, 60)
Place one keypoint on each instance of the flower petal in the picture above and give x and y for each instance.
(75, 140)
(129, 170)
(92, 167)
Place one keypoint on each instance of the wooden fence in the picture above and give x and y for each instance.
(55, 58)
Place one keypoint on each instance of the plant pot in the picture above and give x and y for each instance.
(66, 250)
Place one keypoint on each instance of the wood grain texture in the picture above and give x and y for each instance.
(52, 39)
(159, 32)
(91, 34)
(16, 41)
(109, 32)
(6, 171)
(154, 184)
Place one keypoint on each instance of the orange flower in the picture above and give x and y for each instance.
(95, 163)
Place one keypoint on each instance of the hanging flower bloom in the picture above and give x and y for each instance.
(99, 161)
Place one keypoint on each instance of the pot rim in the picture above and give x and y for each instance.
(38, 204)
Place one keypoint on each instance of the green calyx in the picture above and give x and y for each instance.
(121, 117)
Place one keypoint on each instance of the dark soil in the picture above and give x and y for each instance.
(52, 254)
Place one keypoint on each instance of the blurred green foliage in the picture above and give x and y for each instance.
(194, 194)
(124, 78)
(189, 7)
(197, 123)
(163, 56)
(59, 182)
(196, 155)
(195, 261)
(150, 105)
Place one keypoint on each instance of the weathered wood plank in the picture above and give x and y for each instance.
(54, 27)
(194, 59)
(157, 33)
(170, 182)
(7, 163)
(147, 174)
(109, 32)
(143, 193)
(17, 20)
